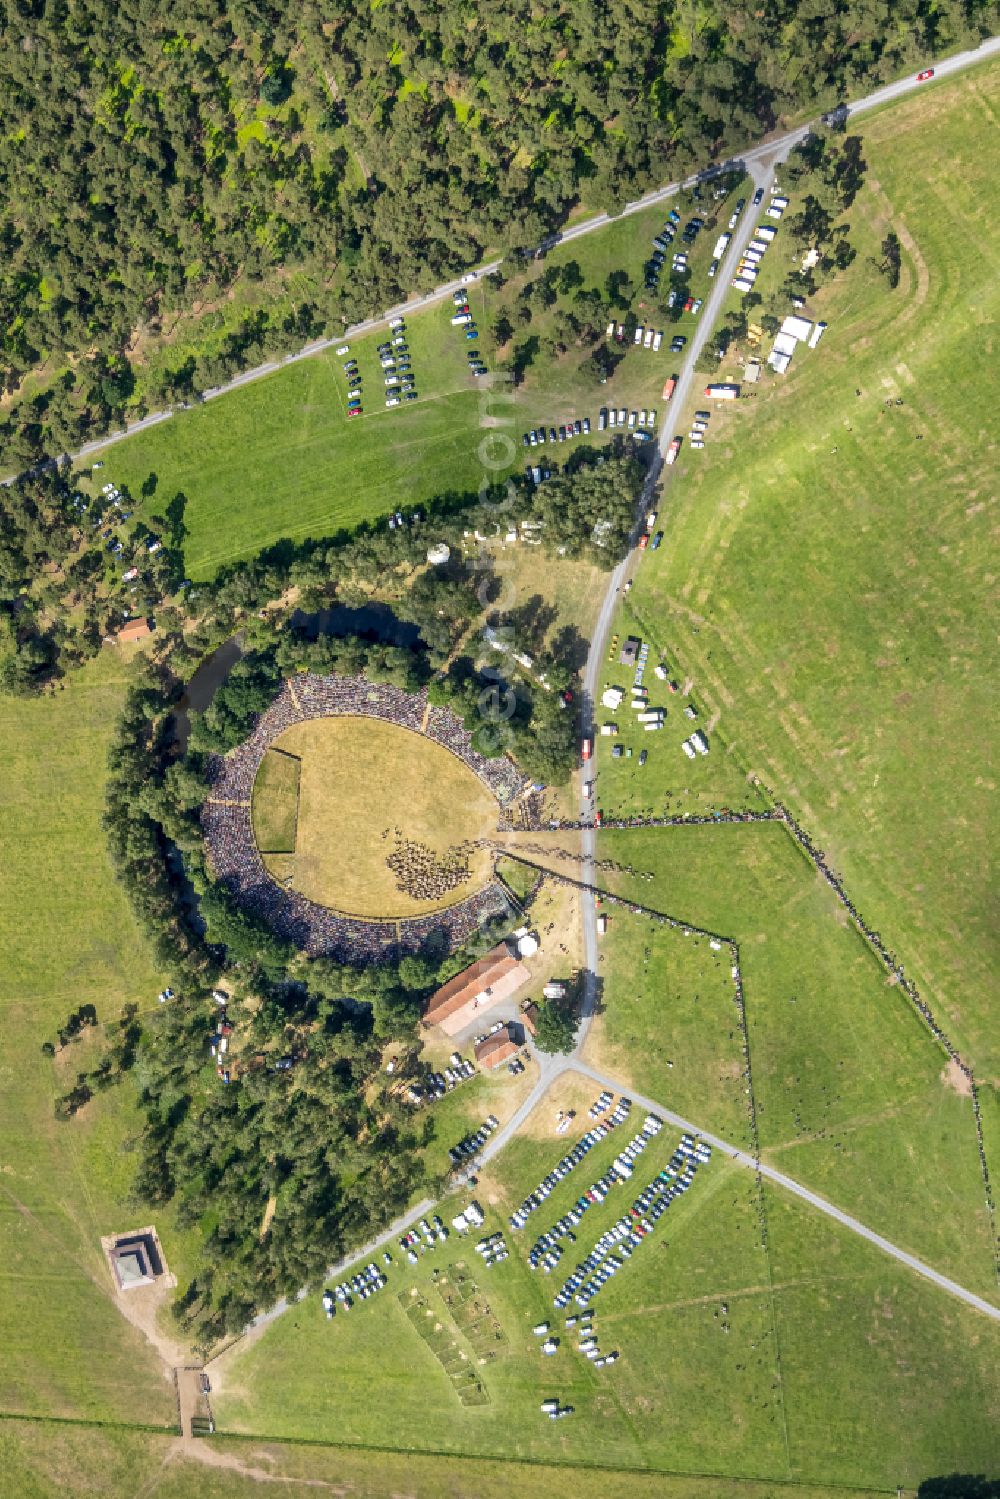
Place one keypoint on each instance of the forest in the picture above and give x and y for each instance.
(266, 172)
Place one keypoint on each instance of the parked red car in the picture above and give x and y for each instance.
(923, 77)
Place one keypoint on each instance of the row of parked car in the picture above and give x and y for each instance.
(699, 428)
(618, 1243)
(364, 1284)
(462, 318)
(547, 1250)
(472, 1144)
(426, 1235)
(493, 1250)
(568, 1163)
(537, 436)
(610, 416)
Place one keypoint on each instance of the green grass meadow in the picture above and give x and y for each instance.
(853, 1095)
(42, 1460)
(732, 1357)
(275, 807)
(66, 937)
(824, 588)
(280, 459)
(668, 1024)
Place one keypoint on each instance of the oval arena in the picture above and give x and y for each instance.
(383, 890)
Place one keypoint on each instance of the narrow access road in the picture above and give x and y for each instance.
(790, 1185)
(768, 151)
(760, 174)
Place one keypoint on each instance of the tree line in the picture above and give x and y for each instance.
(62, 594)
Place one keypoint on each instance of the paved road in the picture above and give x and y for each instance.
(552, 1068)
(773, 149)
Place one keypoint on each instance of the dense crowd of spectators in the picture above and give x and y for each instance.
(309, 696)
(316, 929)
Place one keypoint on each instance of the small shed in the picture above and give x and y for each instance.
(496, 1049)
(136, 629)
(630, 651)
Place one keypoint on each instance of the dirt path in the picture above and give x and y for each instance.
(198, 1450)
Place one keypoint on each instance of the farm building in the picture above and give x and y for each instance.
(496, 976)
(136, 629)
(529, 1018)
(496, 1049)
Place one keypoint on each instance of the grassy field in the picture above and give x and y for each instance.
(280, 459)
(667, 1024)
(275, 806)
(363, 786)
(66, 937)
(823, 589)
(668, 783)
(46, 1461)
(718, 1370)
(853, 1096)
(555, 387)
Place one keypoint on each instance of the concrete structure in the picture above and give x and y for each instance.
(135, 1258)
(495, 977)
